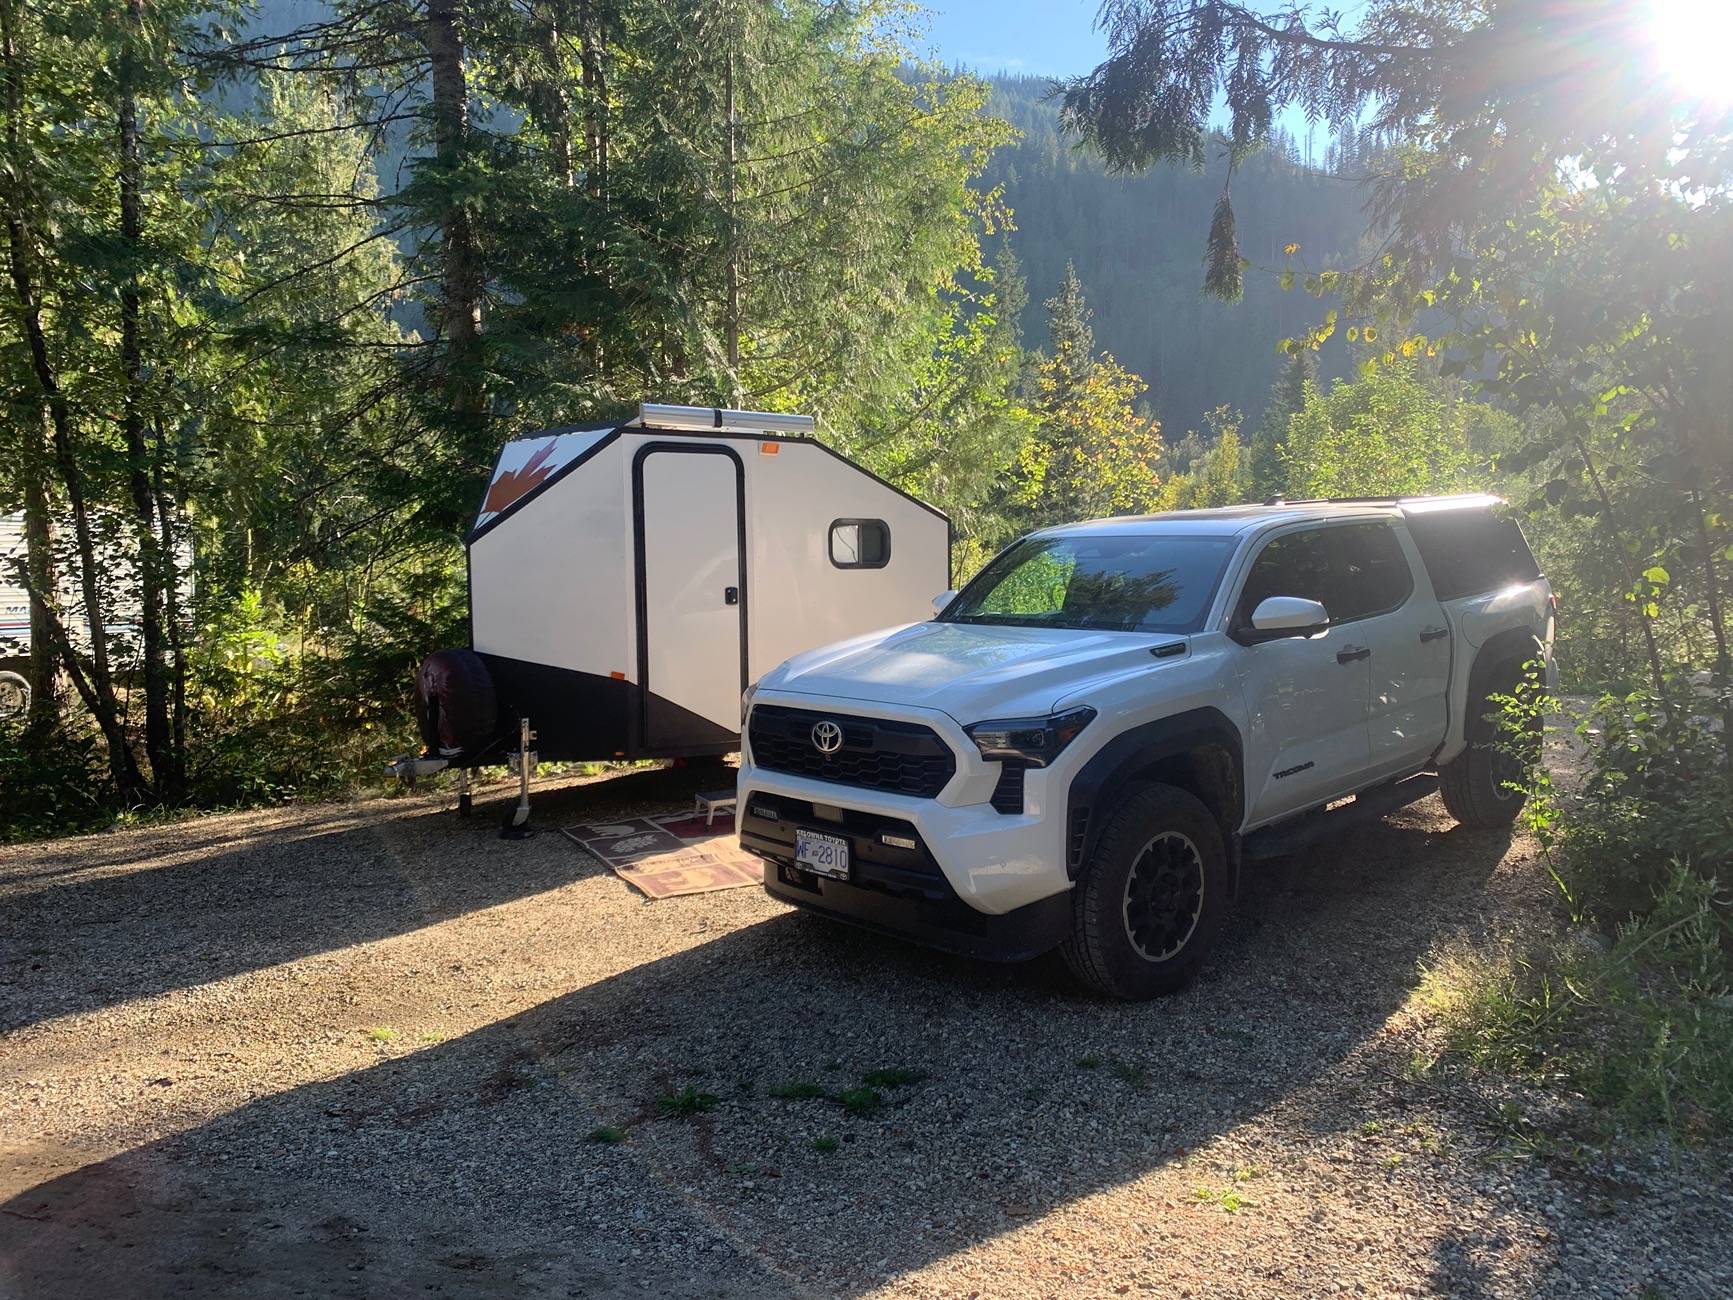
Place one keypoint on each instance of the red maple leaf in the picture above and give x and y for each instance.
(512, 484)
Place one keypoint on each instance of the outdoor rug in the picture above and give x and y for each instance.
(671, 854)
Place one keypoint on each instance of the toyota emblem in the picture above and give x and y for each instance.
(826, 737)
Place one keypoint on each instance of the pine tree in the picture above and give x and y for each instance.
(1268, 464)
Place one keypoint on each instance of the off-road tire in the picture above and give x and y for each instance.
(1100, 950)
(1473, 784)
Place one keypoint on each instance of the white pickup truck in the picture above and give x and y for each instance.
(1083, 746)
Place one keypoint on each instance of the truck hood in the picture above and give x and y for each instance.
(971, 671)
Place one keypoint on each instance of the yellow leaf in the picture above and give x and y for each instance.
(1288, 250)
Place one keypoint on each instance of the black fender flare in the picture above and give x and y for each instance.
(1131, 754)
(1509, 649)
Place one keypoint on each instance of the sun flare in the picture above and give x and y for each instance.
(1692, 41)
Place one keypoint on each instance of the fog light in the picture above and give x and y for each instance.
(897, 841)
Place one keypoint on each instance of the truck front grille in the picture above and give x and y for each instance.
(875, 753)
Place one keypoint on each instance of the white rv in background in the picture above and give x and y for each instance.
(120, 603)
(627, 582)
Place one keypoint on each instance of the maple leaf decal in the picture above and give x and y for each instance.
(512, 484)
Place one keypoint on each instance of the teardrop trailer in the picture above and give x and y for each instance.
(628, 581)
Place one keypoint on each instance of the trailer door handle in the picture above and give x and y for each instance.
(731, 595)
(1353, 653)
(1433, 633)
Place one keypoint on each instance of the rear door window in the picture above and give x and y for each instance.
(1369, 573)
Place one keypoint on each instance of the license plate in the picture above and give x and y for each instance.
(823, 855)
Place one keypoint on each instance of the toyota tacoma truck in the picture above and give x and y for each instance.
(1087, 742)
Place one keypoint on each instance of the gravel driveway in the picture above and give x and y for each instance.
(366, 1049)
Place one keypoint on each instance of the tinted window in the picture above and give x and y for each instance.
(1468, 552)
(1295, 564)
(1369, 574)
(860, 544)
(1354, 570)
(1125, 583)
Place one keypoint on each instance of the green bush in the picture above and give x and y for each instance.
(1658, 795)
(50, 786)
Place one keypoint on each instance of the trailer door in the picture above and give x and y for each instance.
(691, 595)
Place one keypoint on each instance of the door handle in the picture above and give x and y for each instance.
(1433, 633)
(731, 596)
(1351, 654)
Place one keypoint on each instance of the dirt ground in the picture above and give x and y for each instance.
(365, 1050)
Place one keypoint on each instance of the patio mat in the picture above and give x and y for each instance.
(672, 854)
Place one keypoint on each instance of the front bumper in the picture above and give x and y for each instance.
(891, 889)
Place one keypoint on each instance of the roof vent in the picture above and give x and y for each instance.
(714, 419)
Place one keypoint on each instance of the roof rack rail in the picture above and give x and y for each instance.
(1334, 501)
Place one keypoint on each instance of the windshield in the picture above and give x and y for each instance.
(1123, 583)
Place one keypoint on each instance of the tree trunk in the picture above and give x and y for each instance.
(40, 567)
(731, 310)
(595, 81)
(550, 95)
(460, 275)
(97, 686)
(158, 740)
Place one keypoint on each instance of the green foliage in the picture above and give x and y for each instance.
(1657, 800)
(686, 1103)
(49, 788)
(1642, 1027)
(1092, 454)
(1393, 431)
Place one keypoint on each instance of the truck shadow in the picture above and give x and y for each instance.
(218, 896)
(468, 1166)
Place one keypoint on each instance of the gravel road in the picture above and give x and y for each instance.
(361, 1050)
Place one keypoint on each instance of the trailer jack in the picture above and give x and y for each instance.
(517, 823)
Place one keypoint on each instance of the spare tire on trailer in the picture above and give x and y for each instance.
(455, 703)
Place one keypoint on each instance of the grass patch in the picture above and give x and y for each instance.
(897, 1076)
(825, 1144)
(686, 1103)
(1228, 1200)
(1135, 1077)
(861, 1101)
(1642, 1027)
(799, 1090)
(1090, 1062)
(382, 1034)
(607, 1134)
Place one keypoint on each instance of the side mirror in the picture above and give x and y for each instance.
(1279, 616)
(943, 599)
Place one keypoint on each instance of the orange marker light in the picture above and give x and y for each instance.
(769, 448)
(619, 677)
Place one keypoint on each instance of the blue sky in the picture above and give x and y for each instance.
(1039, 37)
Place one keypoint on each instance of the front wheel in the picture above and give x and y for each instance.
(1151, 898)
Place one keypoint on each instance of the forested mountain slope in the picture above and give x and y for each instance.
(1138, 243)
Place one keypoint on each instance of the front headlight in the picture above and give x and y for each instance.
(1034, 742)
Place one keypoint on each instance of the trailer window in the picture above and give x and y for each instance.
(860, 544)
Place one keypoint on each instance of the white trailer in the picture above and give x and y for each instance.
(627, 582)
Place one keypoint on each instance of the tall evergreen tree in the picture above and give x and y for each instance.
(1268, 463)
